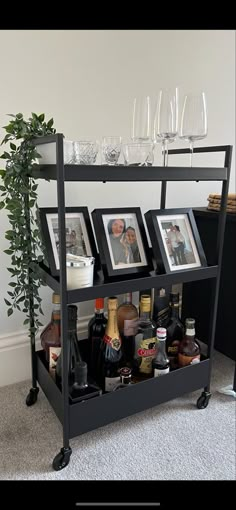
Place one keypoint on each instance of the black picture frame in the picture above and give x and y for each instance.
(80, 235)
(117, 256)
(175, 249)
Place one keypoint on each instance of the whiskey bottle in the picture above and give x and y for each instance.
(127, 317)
(145, 340)
(51, 334)
(175, 331)
(161, 363)
(189, 348)
(96, 331)
(110, 352)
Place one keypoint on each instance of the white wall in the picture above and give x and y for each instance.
(87, 80)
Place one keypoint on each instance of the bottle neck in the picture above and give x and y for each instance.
(112, 326)
(145, 315)
(161, 346)
(174, 310)
(127, 298)
(99, 312)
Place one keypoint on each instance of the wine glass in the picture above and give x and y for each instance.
(193, 120)
(141, 119)
(166, 119)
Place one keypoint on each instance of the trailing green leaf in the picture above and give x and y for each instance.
(19, 198)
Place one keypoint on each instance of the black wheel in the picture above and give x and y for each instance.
(32, 396)
(203, 400)
(62, 459)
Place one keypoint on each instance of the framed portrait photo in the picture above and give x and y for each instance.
(79, 234)
(175, 239)
(122, 241)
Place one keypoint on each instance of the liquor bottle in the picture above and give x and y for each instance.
(96, 331)
(110, 352)
(189, 348)
(81, 389)
(125, 378)
(175, 330)
(72, 345)
(161, 306)
(161, 363)
(145, 340)
(127, 317)
(51, 334)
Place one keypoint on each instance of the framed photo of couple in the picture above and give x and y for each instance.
(122, 241)
(175, 239)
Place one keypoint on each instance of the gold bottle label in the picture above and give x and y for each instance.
(146, 352)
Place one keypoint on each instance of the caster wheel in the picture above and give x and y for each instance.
(32, 396)
(62, 459)
(203, 400)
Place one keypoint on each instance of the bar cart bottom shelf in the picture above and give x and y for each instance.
(107, 408)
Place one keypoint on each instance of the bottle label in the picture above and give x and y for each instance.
(188, 360)
(54, 353)
(161, 371)
(146, 352)
(131, 327)
(114, 342)
(173, 348)
(111, 383)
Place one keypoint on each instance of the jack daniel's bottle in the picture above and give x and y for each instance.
(175, 331)
(111, 353)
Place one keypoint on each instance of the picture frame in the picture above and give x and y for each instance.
(175, 239)
(79, 235)
(122, 241)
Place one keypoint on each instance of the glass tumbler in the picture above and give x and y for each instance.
(111, 149)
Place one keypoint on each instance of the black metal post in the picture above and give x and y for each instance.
(218, 260)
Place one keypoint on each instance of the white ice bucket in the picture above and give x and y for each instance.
(80, 271)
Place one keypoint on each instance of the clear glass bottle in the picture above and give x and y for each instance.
(110, 352)
(81, 388)
(175, 330)
(145, 340)
(161, 363)
(96, 331)
(189, 348)
(51, 334)
(127, 316)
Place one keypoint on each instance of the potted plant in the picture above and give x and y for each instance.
(19, 198)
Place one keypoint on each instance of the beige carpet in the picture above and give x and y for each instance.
(173, 441)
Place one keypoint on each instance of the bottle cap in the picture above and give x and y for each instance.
(190, 323)
(145, 303)
(125, 375)
(99, 303)
(56, 299)
(161, 333)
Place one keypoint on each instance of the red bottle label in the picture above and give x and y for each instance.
(114, 342)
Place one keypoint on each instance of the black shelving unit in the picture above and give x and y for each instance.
(78, 418)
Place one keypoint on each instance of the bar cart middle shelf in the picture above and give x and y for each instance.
(78, 418)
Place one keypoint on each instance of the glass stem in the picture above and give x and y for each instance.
(165, 153)
(191, 152)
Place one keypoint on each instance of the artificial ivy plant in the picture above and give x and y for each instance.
(19, 198)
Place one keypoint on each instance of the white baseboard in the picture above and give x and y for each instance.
(15, 354)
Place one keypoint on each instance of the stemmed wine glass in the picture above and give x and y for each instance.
(193, 124)
(166, 119)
